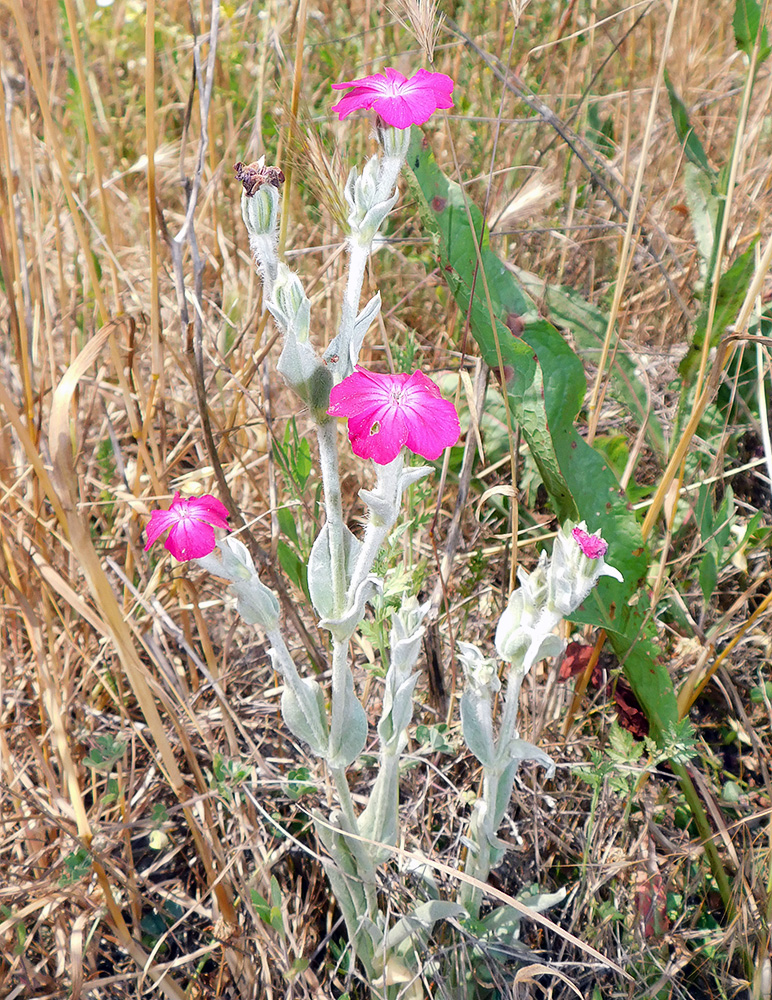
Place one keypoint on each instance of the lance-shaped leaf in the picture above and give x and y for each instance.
(256, 604)
(477, 726)
(351, 741)
(419, 923)
(343, 628)
(302, 705)
(320, 574)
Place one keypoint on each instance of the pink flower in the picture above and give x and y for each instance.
(388, 411)
(191, 521)
(400, 102)
(592, 546)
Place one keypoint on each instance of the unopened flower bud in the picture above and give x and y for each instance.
(578, 561)
(480, 671)
(290, 305)
(370, 201)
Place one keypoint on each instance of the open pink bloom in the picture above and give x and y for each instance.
(592, 546)
(191, 522)
(399, 101)
(386, 412)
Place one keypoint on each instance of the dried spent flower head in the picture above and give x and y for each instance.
(400, 101)
(191, 523)
(388, 411)
(254, 175)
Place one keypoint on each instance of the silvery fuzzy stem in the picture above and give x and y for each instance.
(478, 864)
(341, 355)
(388, 175)
(340, 670)
(489, 809)
(388, 494)
(265, 254)
(360, 851)
(357, 263)
(508, 723)
(327, 435)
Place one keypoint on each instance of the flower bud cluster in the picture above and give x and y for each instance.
(299, 364)
(369, 203)
(554, 590)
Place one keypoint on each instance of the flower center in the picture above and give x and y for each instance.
(396, 395)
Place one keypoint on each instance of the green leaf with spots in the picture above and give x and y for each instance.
(496, 327)
(546, 386)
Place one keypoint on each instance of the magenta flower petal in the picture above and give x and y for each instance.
(191, 526)
(387, 412)
(160, 520)
(592, 546)
(399, 101)
(432, 421)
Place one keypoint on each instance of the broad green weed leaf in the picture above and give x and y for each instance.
(293, 566)
(746, 20)
(685, 130)
(733, 285)
(546, 388)
(619, 608)
(587, 324)
(445, 213)
(708, 576)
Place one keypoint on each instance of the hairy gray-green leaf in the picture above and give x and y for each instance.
(354, 736)
(302, 706)
(320, 569)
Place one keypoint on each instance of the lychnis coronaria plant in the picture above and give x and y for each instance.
(390, 416)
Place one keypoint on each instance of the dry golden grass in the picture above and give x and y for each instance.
(123, 324)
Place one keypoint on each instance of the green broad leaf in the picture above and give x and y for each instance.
(763, 693)
(112, 793)
(703, 511)
(77, 865)
(724, 521)
(567, 308)
(107, 752)
(444, 211)
(732, 287)
(623, 747)
(708, 576)
(746, 22)
(295, 569)
(153, 924)
(546, 388)
(287, 524)
(693, 148)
